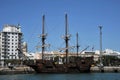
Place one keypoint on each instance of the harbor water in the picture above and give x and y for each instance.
(81, 76)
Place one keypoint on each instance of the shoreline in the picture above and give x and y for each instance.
(16, 70)
(106, 69)
(28, 70)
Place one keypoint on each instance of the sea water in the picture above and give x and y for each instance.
(81, 76)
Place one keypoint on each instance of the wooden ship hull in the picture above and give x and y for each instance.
(48, 66)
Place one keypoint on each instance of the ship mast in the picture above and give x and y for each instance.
(77, 44)
(43, 35)
(67, 37)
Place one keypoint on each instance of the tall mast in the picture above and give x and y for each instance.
(67, 36)
(43, 37)
(77, 44)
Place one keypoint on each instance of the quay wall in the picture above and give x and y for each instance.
(16, 70)
(105, 69)
(28, 70)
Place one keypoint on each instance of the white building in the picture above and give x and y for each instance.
(10, 42)
(24, 48)
(95, 54)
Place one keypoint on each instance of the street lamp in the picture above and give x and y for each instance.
(101, 61)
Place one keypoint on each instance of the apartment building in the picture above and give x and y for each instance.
(10, 42)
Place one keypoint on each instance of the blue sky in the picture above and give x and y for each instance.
(84, 17)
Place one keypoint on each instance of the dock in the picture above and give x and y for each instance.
(16, 70)
(106, 69)
(28, 70)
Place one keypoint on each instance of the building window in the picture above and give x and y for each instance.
(3, 39)
(8, 33)
(3, 45)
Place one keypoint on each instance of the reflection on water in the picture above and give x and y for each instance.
(81, 76)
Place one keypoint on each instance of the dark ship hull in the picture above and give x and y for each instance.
(48, 66)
